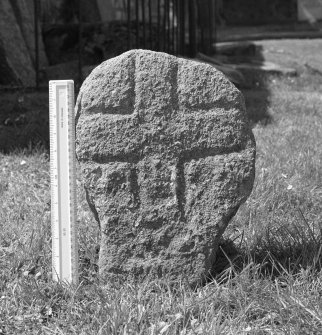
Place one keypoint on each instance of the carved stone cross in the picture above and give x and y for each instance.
(167, 156)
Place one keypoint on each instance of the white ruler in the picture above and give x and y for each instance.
(63, 181)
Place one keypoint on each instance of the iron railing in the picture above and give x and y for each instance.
(178, 27)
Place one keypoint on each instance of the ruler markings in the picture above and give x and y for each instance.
(63, 181)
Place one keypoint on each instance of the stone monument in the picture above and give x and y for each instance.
(167, 156)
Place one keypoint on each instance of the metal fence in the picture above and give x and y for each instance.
(178, 27)
(173, 26)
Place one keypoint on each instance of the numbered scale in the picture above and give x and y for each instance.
(63, 181)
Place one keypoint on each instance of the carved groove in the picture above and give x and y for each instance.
(186, 157)
(174, 92)
(92, 207)
(221, 103)
(199, 153)
(180, 183)
(134, 187)
(122, 158)
(180, 188)
(128, 107)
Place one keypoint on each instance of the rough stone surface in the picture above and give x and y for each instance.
(167, 157)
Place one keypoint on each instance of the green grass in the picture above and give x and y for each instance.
(267, 277)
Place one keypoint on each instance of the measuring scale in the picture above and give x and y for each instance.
(63, 181)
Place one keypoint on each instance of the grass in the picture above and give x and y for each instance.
(267, 278)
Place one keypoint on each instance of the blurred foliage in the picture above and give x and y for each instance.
(69, 10)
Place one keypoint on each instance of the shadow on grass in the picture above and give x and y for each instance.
(24, 120)
(255, 89)
(277, 252)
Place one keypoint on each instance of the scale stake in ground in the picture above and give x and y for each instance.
(63, 181)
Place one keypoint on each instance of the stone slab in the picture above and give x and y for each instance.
(167, 157)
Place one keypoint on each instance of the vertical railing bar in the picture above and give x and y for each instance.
(137, 23)
(210, 18)
(202, 36)
(173, 26)
(199, 33)
(178, 27)
(169, 27)
(150, 25)
(206, 27)
(129, 24)
(192, 28)
(165, 47)
(203, 30)
(159, 24)
(143, 23)
(183, 30)
(164, 26)
(214, 32)
(80, 42)
(36, 32)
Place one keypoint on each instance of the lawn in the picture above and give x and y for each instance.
(267, 278)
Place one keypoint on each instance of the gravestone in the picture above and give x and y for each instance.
(167, 157)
